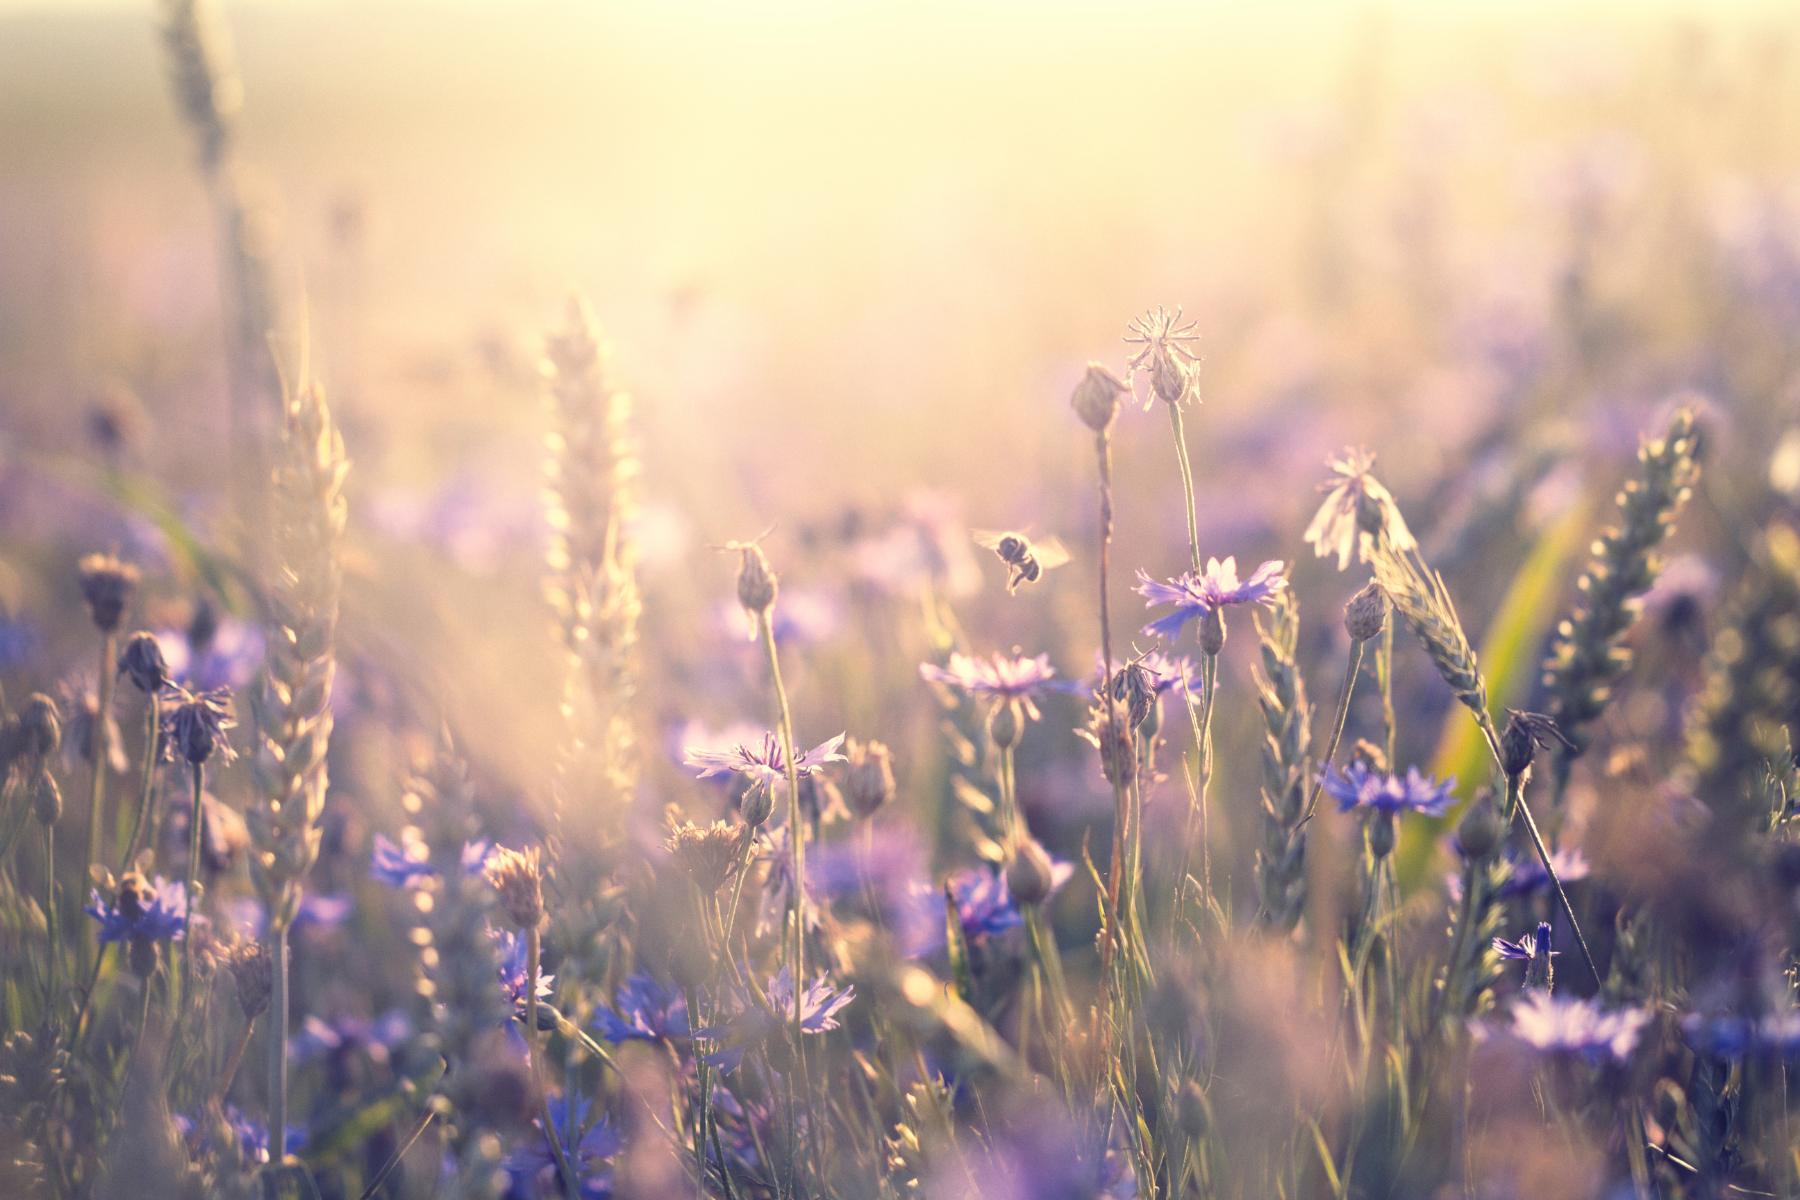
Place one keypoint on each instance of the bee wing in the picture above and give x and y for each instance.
(1049, 552)
(989, 538)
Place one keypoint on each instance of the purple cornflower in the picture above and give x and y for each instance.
(1200, 596)
(1165, 673)
(764, 764)
(984, 906)
(252, 1137)
(515, 969)
(160, 914)
(819, 1005)
(1014, 679)
(344, 1035)
(1526, 947)
(645, 1011)
(1358, 787)
(195, 726)
(531, 1170)
(1357, 510)
(1577, 1026)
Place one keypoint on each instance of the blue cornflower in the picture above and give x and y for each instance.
(515, 968)
(1577, 1026)
(764, 764)
(252, 1136)
(819, 1005)
(153, 909)
(984, 905)
(531, 1170)
(644, 1011)
(1357, 786)
(409, 863)
(1200, 596)
(320, 913)
(345, 1034)
(1012, 680)
(1526, 947)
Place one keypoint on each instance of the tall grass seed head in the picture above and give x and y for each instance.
(142, 661)
(519, 878)
(868, 777)
(1366, 613)
(107, 585)
(1096, 398)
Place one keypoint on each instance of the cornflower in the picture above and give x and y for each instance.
(532, 1170)
(818, 1008)
(763, 764)
(515, 968)
(408, 864)
(1359, 787)
(1203, 596)
(645, 1011)
(1357, 512)
(195, 727)
(1169, 361)
(155, 912)
(1012, 682)
(1577, 1027)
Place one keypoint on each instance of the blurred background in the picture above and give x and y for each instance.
(853, 259)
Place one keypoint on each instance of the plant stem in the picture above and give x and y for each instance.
(100, 744)
(152, 739)
(193, 905)
(278, 1020)
(571, 1185)
(1103, 459)
(223, 1084)
(1187, 485)
(51, 924)
(1337, 726)
(1384, 679)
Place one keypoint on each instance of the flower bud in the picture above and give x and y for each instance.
(1132, 688)
(757, 585)
(107, 585)
(1096, 398)
(869, 777)
(1381, 834)
(1118, 749)
(46, 800)
(758, 804)
(1028, 875)
(1194, 1110)
(1212, 631)
(1168, 376)
(1006, 725)
(40, 727)
(143, 661)
(518, 877)
(1517, 748)
(1366, 613)
(1480, 831)
(252, 968)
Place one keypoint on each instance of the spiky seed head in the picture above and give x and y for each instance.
(706, 853)
(107, 585)
(196, 727)
(519, 878)
(46, 800)
(757, 585)
(1028, 875)
(142, 661)
(253, 969)
(1381, 834)
(1212, 631)
(869, 777)
(1480, 831)
(1006, 724)
(1194, 1110)
(1525, 732)
(1136, 690)
(1096, 398)
(1366, 613)
(1118, 749)
(40, 727)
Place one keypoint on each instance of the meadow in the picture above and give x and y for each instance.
(608, 601)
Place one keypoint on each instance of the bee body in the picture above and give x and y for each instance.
(1026, 561)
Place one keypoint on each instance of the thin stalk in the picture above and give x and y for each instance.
(278, 1059)
(1384, 679)
(137, 1047)
(1202, 727)
(101, 743)
(394, 1159)
(193, 904)
(1337, 725)
(152, 740)
(704, 1119)
(1103, 459)
(1187, 484)
(223, 1084)
(533, 1038)
(51, 924)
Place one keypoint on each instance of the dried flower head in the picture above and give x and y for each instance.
(253, 969)
(40, 728)
(1358, 513)
(1165, 354)
(757, 584)
(196, 726)
(142, 661)
(1366, 613)
(706, 853)
(1113, 738)
(1096, 398)
(107, 585)
(1526, 733)
(519, 878)
(868, 777)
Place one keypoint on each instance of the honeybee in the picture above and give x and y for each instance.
(1027, 560)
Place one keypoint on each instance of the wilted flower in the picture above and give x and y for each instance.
(106, 585)
(519, 879)
(253, 970)
(196, 725)
(1203, 596)
(1357, 511)
(154, 909)
(1577, 1026)
(645, 1011)
(706, 853)
(764, 764)
(142, 660)
(1526, 948)
(1359, 787)
(1526, 733)
(1169, 361)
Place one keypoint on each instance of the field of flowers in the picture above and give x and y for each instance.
(1256, 659)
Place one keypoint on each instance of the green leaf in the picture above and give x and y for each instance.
(1510, 659)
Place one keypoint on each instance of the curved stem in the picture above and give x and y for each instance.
(51, 924)
(193, 903)
(1384, 678)
(1115, 874)
(152, 740)
(1187, 484)
(278, 1018)
(100, 744)
(1337, 729)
